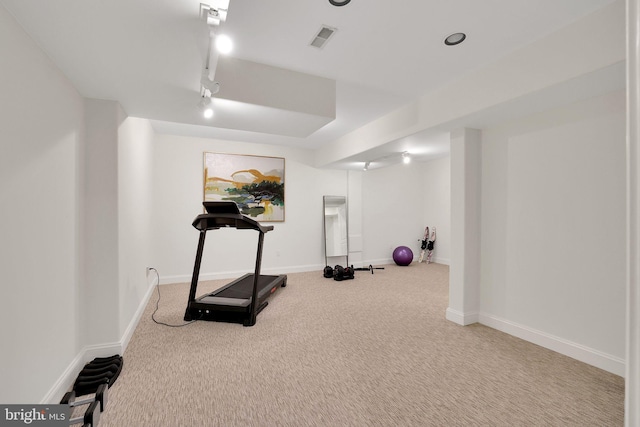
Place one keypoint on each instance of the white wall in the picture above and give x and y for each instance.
(293, 245)
(553, 229)
(135, 213)
(565, 283)
(387, 208)
(436, 193)
(71, 216)
(391, 202)
(632, 372)
(99, 289)
(117, 188)
(40, 212)
(392, 211)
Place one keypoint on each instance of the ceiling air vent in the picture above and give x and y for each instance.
(323, 36)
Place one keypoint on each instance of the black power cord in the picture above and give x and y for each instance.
(158, 305)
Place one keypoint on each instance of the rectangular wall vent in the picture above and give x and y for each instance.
(323, 36)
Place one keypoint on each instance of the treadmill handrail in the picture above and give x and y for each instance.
(214, 221)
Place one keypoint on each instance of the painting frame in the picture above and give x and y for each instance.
(255, 183)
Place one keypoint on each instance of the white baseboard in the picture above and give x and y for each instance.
(461, 318)
(382, 261)
(65, 381)
(388, 261)
(184, 278)
(88, 353)
(593, 357)
(68, 377)
(297, 269)
(128, 333)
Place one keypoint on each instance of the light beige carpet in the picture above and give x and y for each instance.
(374, 351)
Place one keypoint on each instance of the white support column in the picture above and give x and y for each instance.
(464, 277)
(632, 374)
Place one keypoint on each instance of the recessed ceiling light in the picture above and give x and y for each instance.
(339, 3)
(454, 39)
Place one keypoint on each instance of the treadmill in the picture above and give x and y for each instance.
(241, 300)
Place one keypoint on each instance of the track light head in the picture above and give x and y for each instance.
(206, 107)
(212, 16)
(406, 158)
(212, 86)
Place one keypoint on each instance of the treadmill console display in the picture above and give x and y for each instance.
(221, 207)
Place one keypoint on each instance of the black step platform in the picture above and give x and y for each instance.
(241, 300)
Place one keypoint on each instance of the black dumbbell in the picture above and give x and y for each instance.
(106, 359)
(102, 362)
(91, 416)
(84, 386)
(106, 369)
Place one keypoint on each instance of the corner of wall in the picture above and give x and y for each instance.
(461, 318)
(89, 352)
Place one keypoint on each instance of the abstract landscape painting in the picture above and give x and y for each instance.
(255, 183)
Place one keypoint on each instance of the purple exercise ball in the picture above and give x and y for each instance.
(402, 255)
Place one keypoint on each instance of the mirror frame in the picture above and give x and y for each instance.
(325, 202)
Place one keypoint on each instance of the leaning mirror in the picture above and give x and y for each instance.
(335, 228)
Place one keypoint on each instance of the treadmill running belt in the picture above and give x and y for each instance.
(244, 288)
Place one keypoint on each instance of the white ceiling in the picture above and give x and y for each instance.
(149, 55)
